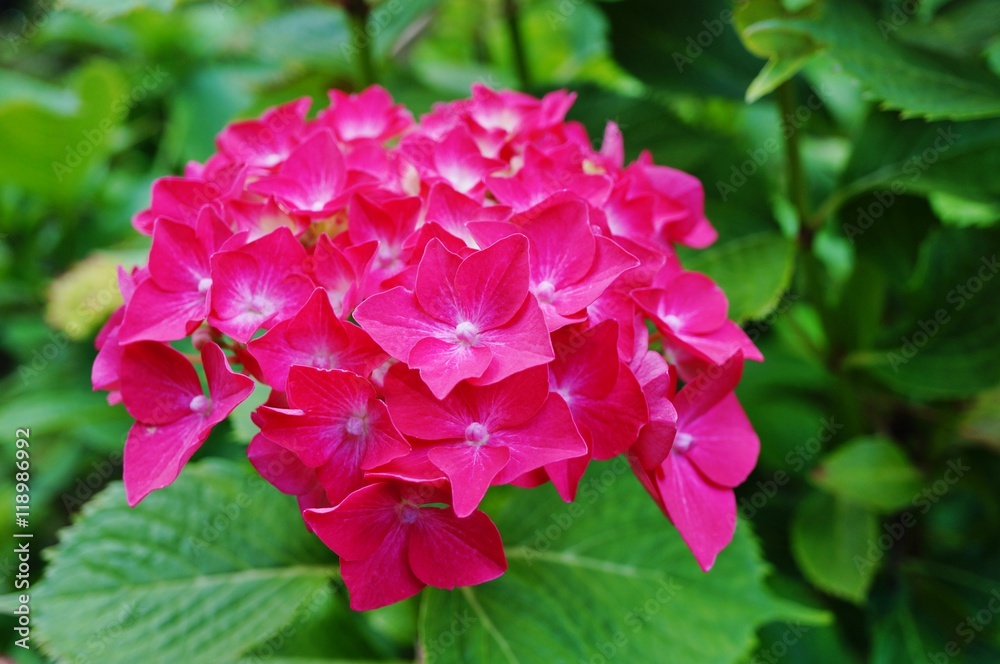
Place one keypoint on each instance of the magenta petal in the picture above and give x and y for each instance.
(361, 523)
(610, 261)
(707, 389)
(416, 411)
(548, 437)
(723, 444)
(654, 444)
(435, 288)
(491, 284)
(520, 344)
(612, 424)
(562, 244)
(443, 365)
(704, 513)
(154, 455)
(396, 322)
(177, 259)
(154, 314)
(158, 383)
(470, 469)
(383, 578)
(226, 388)
(280, 467)
(693, 304)
(446, 551)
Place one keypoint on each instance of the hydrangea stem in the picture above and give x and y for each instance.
(358, 11)
(517, 44)
(797, 191)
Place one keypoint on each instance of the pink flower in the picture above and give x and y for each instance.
(465, 319)
(161, 390)
(714, 450)
(437, 308)
(603, 395)
(369, 115)
(257, 284)
(334, 422)
(314, 337)
(265, 143)
(478, 436)
(690, 310)
(393, 540)
(570, 266)
(313, 181)
(175, 298)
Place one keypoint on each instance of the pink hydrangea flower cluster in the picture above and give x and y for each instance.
(436, 307)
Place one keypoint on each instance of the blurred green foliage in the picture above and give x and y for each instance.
(850, 152)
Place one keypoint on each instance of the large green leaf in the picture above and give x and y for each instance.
(831, 540)
(200, 572)
(901, 77)
(869, 471)
(607, 575)
(945, 345)
(912, 156)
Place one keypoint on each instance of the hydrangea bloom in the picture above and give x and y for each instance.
(477, 299)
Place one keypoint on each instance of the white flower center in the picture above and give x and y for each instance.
(476, 434)
(683, 442)
(545, 291)
(466, 333)
(200, 404)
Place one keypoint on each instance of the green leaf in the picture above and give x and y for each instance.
(945, 346)
(981, 422)
(198, 572)
(901, 77)
(912, 156)
(607, 575)
(830, 539)
(680, 48)
(753, 270)
(50, 152)
(962, 212)
(787, 51)
(870, 471)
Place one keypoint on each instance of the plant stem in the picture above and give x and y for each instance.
(358, 10)
(517, 43)
(797, 191)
